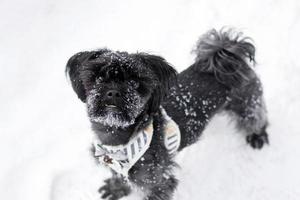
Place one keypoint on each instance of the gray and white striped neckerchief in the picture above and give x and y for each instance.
(121, 158)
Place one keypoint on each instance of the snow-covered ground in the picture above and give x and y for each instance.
(44, 130)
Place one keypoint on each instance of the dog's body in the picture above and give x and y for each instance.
(126, 92)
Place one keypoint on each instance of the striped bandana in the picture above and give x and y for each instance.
(121, 158)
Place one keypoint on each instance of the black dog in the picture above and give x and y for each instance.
(127, 93)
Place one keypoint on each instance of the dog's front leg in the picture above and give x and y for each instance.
(163, 190)
(114, 188)
(154, 176)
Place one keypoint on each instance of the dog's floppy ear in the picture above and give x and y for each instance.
(166, 75)
(73, 69)
(82, 70)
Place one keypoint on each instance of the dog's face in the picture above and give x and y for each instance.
(118, 87)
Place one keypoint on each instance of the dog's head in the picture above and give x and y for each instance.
(118, 87)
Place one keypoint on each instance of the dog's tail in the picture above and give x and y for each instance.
(226, 54)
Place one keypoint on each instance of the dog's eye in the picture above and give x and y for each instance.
(99, 80)
(134, 84)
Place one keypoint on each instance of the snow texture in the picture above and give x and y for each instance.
(45, 132)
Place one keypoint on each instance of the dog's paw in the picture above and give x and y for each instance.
(257, 141)
(114, 189)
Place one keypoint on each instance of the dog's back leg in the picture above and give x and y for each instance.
(247, 105)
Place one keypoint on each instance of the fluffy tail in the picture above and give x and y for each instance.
(226, 54)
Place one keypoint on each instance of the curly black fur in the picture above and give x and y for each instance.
(123, 93)
(226, 54)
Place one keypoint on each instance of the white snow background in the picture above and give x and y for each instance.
(45, 133)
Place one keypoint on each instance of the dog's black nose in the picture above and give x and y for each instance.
(112, 94)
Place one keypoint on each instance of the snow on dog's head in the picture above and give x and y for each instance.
(118, 87)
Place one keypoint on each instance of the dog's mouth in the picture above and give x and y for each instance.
(111, 115)
(110, 106)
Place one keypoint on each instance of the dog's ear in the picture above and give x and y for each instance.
(166, 75)
(81, 69)
(73, 69)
